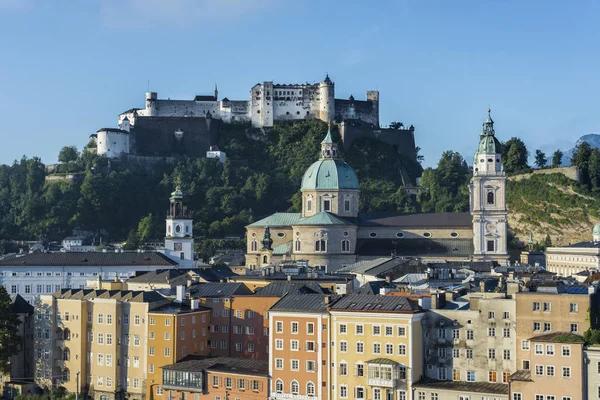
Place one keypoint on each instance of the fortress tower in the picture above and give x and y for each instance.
(327, 100)
(151, 108)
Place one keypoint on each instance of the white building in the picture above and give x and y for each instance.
(179, 238)
(578, 257)
(214, 152)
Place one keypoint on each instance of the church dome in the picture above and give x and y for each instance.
(596, 232)
(329, 174)
(488, 144)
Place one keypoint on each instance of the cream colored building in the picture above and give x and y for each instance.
(330, 232)
(578, 257)
(98, 336)
(591, 365)
(376, 347)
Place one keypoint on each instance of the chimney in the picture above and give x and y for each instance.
(434, 300)
(194, 304)
(289, 278)
(180, 294)
(326, 299)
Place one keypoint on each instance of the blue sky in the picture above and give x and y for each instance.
(68, 68)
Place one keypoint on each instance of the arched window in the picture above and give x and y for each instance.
(310, 389)
(254, 246)
(67, 334)
(66, 355)
(279, 386)
(321, 245)
(298, 245)
(265, 259)
(345, 245)
(295, 388)
(66, 375)
(490, 198)
(59, 334)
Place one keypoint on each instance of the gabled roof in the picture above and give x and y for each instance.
(92, 259)
(219, 289)
(285, 248)
(280, 289)
(20, 305)
(132, 296)
(213, 274)
(558, 337)
(523, 375)
(323, 218)
(373, 303)
(158, 276)
(233, 365)
(294, 302)
(464, 387)
(374, 287)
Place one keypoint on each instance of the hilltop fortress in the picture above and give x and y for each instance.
(170, 128)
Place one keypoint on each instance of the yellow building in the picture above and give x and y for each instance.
(376, 348)
(94, 341)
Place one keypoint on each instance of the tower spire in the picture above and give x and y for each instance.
(216, 91)
(329, 148)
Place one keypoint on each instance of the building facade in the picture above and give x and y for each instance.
(578, 257)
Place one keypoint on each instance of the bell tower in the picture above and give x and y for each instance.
(179, 237)
(488, 198)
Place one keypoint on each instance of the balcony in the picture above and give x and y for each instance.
(380, 382)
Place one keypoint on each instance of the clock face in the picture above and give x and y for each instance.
(491, 226)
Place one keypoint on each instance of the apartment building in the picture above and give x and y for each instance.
(218, 378)
(239, 324)
(557, 369)
(549, 307)
(376, 347)
(175, 331)
(300, 341)
(591, 371)
(470, 350)
(94, 340)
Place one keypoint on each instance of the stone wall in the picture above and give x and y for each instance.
(571, 172)
(403, 140)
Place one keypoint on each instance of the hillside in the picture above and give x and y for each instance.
(554, 205)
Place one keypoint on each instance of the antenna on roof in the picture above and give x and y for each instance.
(148, 86)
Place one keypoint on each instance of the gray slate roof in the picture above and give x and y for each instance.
(280, 288)
(158, 276)
(416, 220)
(293, 302)
(219, 289)
(20, 305)
(232, 365)
(92, 259)
(214, 274)
(132, 296)
(464, 387)
(373, 303)
(374, 287)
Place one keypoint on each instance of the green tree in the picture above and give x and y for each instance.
(540, 159)
(10, 340)
(149, 228)
(581, 159)
(396, 125)
(445, 187)
(547, 242)
(68, 154)
(514, 154)
(557, 158)
(133, 241)
(594, 168)
(419, 157)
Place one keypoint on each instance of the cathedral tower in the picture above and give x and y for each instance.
(179, 240)
(488, 198)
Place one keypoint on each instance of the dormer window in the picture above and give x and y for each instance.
(326, 205)
(347, 205)
(308, 204)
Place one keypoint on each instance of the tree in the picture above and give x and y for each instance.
(581, 159)
(557, 159)
(10, 340)
(547, 242)
(133, 241)
(540, 159)
(594, 168)
(420, 157)
(148, 228)
(514, 154)
(396, 125)
(68, 154)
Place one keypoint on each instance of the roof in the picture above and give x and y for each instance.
(278, 219)
(214, 274)
(282, 276)
(329, 174)
(417, 220)
(20, 305)
(323, 218)
(219, 289)
(587, 245)
(281, 288)
(522, 375)
(158, 276)
(382, 361)
(441, 248)
(132, 296)
(233, 365)
(205, 98)
(378, 266)
(558, 337)
(93, 259)
(294, 302)
(373, 303)
(112, 130)
(285, 248)
(464, 387)
(178, 308)
(374, 287)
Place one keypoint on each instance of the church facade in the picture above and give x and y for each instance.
(331, 232)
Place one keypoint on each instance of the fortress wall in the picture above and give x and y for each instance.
(180, 108)
(403, 140)
(571, 172)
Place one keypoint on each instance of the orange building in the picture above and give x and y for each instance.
(174, 332)
(556, 369)
(218, 378)
(239, 325)
(299, 360)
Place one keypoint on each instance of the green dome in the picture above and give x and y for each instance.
(596, 230)
(329, 174)
(488, 144)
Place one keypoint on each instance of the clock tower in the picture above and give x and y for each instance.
(179, 239)
(488, 199)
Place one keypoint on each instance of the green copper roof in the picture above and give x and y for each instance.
(177, 194)
(282, 249)
(329, 174)
(488, 144)
(278, 219)
(328, 138)
(323, 218)
(596, 231)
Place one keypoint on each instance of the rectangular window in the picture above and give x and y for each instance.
(517, 396)
(100, 318)
(549, 349)
(295, 345)
(547, 306)
(343, 329)
(574, 328)
(470, 376)
(109, 319)
(549, 370)
(491, 354)
(442, 374)
(401, 331)
(537, 326)
(492, 376)
(456, 374)
(343, 346)
(469, 353)
(326, 205)
(566, 372)
(376, 330)
(278, 344)
(490, 245)
(566, 351)
(376, 348)
(573, 307)
(279, 327)
(294, 327)
(539, 349)
(279, 363)
(539, 370)
(506, 315)
(295, 365)
(310, 328)
(506, 332)
(311, 366)
(491, 332)
(347, 205)
(547, 326)
(470, 334)
(136, 320)
(506, 354)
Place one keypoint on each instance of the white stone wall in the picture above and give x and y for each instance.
(567, 261)
(337, 199)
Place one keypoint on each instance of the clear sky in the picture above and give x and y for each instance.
(69, 67)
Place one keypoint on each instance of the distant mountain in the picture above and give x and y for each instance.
(593, 139)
